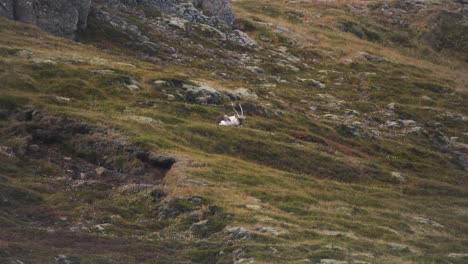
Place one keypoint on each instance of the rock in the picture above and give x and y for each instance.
(255, 69)
(332, 261)
(134, 188)
(177, 22)
(160, 83)
(371, 58)
(63, 18)
(346, 61)
(458, 255)
(239, 255)
(253, 207)
(170, 97)
(314, 83)
(426, 221)
(407, 122)
(400, 247)
(45, 61)
(237, 233)
(101, 227)
(133, 87)
(161, 161)
(34, 148)
(391, 106)
(241, 93)
(242, 39)
(63, 259)
(219, 10)
(267, 230)
(103, 72)
(353, 130)
(245, 261)
(391, 124)
(100, 171)
(16, 261)
(64, 99)
(202, 94)
(201, 229)
(145, 119)
(399, 176)
(7, 151)
(7, 9)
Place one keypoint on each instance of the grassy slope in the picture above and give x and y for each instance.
(268, 163)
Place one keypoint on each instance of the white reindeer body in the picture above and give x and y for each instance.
(230, 121)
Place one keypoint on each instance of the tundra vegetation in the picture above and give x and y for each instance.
(354, 149)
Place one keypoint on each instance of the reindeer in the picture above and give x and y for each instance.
(235, 120)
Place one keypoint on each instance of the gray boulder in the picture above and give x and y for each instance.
(59, 17)
(202, 94)
(221, 10)
(6, 9)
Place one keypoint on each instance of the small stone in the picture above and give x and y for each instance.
(64, 99)
(144, 119)
(63, 259)
(400, 247)
(255, 69)
(34, 148)
(7, 151)
(399, 176)
(407, 122)
(267, 230)
(426, 221)
(458, 255)
(371, 58)
(332, 261)
(392, 124)
(100, 171)
(201, 228)
(314, 83)
(177, 22)
(160, 83)
(253, 206)
(239, 233)
(241, 93)
(103, 72)
(133, 87)
(346, 61)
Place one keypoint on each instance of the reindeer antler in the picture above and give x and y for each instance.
(233, 108)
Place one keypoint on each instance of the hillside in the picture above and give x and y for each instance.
(354, 148)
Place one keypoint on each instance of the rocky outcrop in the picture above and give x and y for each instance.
(221, 10)
(6, 9)
(67, 17)
(59, 17)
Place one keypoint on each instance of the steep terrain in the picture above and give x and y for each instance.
(354, 150)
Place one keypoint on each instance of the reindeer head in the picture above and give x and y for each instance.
(240, 117)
